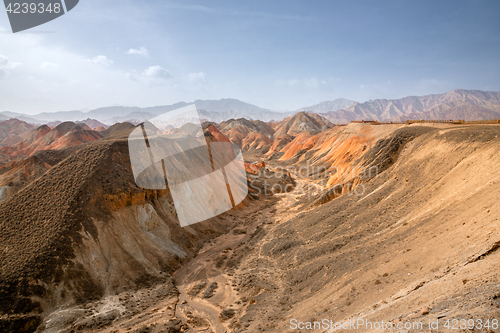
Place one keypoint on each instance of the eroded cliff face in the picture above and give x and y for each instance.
(134, 246)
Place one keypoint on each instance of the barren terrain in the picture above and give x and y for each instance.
(414, 240)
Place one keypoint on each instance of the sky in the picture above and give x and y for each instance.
(281, 55)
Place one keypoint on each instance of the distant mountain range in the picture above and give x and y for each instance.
(456, 104)
(211, 110)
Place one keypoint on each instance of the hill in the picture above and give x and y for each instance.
(13, 130)
(262, 136)
(301, 122)
(64, 135)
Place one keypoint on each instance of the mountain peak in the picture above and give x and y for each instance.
(301, 122)
(326, 106)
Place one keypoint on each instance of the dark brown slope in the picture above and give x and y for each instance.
(41, 227)
(17, 174)
(44, 218)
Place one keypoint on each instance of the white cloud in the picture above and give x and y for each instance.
(6, 66)
(77, 82)
(53, 78)
(157, 72)
(142, 51)
(101, 60)
(153, 75)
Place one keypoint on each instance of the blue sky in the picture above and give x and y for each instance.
(281, 55)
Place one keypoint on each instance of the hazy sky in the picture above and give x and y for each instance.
(275, 54)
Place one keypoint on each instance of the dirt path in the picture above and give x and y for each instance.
(202, 313)
(202, 269)
(286, 208)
